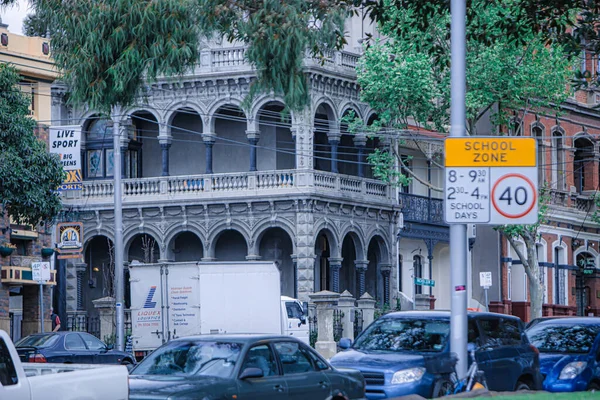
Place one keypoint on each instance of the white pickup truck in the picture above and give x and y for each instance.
(35, 381)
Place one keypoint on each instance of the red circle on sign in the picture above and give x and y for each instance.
(526, 179)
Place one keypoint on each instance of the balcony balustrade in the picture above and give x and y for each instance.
(228, 185)
(422, 209)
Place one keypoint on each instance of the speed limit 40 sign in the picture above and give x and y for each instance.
(491, 180)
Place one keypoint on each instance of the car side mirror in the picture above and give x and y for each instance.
(250, 373)
(471, 347)
(110, 346)
(302, 320)
(345, 343)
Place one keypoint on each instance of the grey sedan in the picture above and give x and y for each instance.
(241, 367)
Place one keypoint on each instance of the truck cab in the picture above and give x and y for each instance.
(294, 319)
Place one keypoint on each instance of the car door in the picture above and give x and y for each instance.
(76, 350)
(294, 320)
(304, 380)
(98, 350)
(502, 366)
(10, 385)
(271, 385)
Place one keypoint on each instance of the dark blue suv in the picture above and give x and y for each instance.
(409, 353)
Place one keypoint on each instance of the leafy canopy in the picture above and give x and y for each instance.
(29, 175)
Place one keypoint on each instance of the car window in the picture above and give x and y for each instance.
(404, 334)
(511, 332)
(293, 309)
(294, 359)
(74, 342)
(473, 334)
(317, 360)
(8, 373)
(561, 337)
(261, 357)
(39, 341)
(92, 342)
(491, 329)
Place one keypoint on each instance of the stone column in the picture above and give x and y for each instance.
(305, 251)
(334, 137)
(164, 147)
(346, 306)
(80, 271)
(386, 270)
(325, 302)
(31, 309)
(106, 314)
(360, 141)
(366, 304)
(335, 264)
(4, 308)
(253, 137)
(361, 271)
(303, 135)
(209, 141)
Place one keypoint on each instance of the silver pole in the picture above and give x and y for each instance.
(458, 233)
(118, 245)
(41, 307)
(487, 303)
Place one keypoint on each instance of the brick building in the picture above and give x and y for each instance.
(19, 294)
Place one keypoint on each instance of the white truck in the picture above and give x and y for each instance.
(177, 299)
(39, 381)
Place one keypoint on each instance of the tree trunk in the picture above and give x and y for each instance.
(536, 286)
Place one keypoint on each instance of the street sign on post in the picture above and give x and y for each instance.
(485, 279)
(40, 272)
(491, 180)
(424, 282)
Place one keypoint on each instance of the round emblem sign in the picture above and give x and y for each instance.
(514, 195)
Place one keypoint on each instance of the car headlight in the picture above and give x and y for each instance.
(572, 369)
(408, 375)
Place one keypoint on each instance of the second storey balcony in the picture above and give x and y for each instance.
(241, 186)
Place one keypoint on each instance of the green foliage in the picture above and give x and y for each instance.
(29, 175)
(35, 25)
(407, 77)
(530, 231)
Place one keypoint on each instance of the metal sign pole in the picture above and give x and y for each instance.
(118, 245)
(487, 303)
(41, 307)
(458, 233)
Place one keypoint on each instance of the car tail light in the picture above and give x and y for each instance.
(37, 358)
(535, 349)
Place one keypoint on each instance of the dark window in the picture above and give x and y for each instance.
(491, 329)
(294, 358)
(8, 373)
(473, 335)
(511, 332)
(557, 337)
(74, 342)
(404, 334)
(418, 273)
(261, 357)
(293, 310)
(317, 360)
(406, 160)
(40, 341)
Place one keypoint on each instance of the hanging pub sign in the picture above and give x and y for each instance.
(70, 240)
(66, 142)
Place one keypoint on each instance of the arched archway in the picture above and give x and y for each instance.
(348, 152)
(324, 125)
(277, 148)
(276, 245)
(584, 261)
(231, 150)
(98, 279)
(323, 251)
(378, 269)
(230, 245)
(187, 152)
(186, 246)
(143, 248)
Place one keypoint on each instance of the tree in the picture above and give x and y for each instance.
(29, 175)
(35, 25)
(406, 79)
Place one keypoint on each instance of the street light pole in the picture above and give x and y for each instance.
(118, 244)
(458, 233)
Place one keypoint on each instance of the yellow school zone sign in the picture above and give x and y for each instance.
(490, 152)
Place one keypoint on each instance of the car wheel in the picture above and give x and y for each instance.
(593, 387)
(442, 388)
(522, 386)
(126, 362)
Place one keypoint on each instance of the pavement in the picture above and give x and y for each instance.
(472, 394)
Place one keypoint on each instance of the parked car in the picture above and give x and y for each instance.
(31, 381)
(241, 367)
(69, 347)
(569, 352)
(408, 352)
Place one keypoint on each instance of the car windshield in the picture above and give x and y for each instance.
(406, 334)
(39, 341)
(191, 358)
(563, 338)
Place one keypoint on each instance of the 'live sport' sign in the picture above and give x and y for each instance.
(66, 142)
